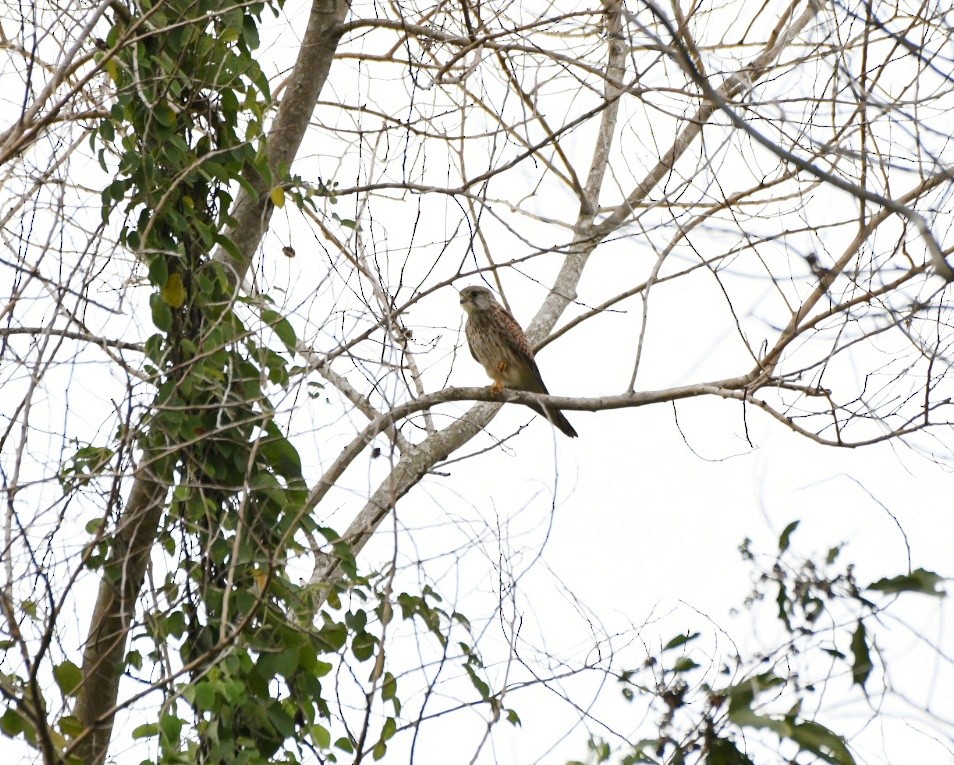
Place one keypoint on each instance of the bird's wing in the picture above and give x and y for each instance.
(513, 336)
(469, 330)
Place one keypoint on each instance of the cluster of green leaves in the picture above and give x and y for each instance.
(426, 607)
(20, 718)
(707, 723)
(185, 131)
(187, 124)
(805, 590)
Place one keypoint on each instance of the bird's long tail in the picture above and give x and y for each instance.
(556, 417)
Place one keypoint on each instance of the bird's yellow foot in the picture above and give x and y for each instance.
(497, 388)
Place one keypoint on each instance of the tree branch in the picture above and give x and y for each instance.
(421, 459)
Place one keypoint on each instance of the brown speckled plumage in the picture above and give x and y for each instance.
(499, 344)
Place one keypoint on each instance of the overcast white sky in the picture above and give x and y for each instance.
(629, 534)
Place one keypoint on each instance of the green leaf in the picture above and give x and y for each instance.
(356, 620)
(147, 730)
(250, 32)
(281, 327)
(228, 245)
(817, 739)
(164, 115)
(388, 687)
(280, 453)
(722, 751)
(175, 623)
(679, 640)
(482, 688)
(204, 696)
(861, 668)
(268, 485)
(234, 691)
(12, 723)
(785, 537)
(388, 729)
(68, 677)
(282, 721)
(684, 664)
(154, 348)
(70, 726)
(321, 668)
(161, 315)
(95, 526)
(741, 698)
(321, 736)
(919, 580)
(170, 727)
(283, 663)
(158, 271)
(362, 646)
(334, 635)
(174, 292)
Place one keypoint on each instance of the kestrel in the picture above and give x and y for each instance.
(501, 347)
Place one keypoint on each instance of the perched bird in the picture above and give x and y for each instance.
(501, 347)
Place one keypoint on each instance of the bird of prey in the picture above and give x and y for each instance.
(499, 344)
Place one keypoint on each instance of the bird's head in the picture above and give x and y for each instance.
(476, 298)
